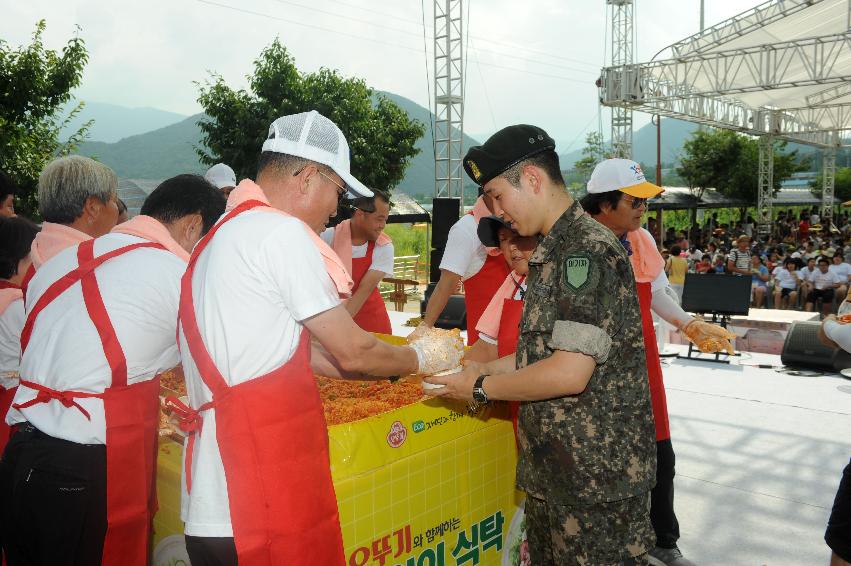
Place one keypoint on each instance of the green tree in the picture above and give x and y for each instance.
(729, 162)
(37, 83)
(381, 136)
(593, 152)
(841, 184)
(708, 158)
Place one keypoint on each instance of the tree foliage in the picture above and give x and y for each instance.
(593, 152)
(841, 184)
(37, 83)
(729, 162)
(381, 136)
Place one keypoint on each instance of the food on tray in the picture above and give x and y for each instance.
(414, 322)
(174, 381)
(348, 400)
(344, 400)
(844, 319)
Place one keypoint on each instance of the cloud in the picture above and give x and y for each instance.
(526, 62)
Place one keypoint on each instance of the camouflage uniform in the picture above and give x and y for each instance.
(588, 461)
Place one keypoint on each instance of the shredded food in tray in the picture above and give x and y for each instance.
(344, 400)
(347, 400)
(844, 319)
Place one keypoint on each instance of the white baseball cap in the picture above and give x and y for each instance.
(220, 176)
(310, 135)
(622, 175)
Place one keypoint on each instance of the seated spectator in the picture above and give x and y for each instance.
(704, 265)
(843, 272)
(805, 276)
(720, 263)
(824, 285)
(759, 281)
(785, 285)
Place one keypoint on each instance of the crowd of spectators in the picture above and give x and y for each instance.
(800, 265)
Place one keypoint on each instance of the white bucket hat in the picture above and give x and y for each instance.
(220, 176)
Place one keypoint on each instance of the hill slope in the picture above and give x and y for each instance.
(113, 123)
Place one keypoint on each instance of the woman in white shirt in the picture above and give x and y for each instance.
(786, 281)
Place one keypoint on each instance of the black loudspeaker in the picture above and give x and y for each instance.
(444, 214)
(803, 349)
(434, 265)
(454, 315)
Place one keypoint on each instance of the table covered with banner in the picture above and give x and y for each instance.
(421, 484)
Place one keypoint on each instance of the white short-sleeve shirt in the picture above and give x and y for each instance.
(382, 256)
(258, 279)
(784, 278)
(141, 291)
(843, 270)
(824, 280)
(464, 254)
(11, 323)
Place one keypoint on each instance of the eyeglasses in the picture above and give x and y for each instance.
(636, 202)
(341, 189)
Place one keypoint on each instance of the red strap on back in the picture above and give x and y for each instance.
(6, 285)
(97, 312)
(25, 282)
(210, 374)
(64, 283)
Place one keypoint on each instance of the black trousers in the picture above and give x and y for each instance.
(838, 534)
(211, 551)
(52, 500)
(662, 514)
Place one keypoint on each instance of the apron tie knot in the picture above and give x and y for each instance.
(190, 422)
(46, 394)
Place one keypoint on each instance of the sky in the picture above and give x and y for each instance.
(532, 61)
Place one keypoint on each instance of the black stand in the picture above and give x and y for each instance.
(717, 359)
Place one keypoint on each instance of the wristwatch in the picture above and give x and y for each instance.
(479, 394)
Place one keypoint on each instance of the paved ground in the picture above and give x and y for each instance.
(759, 457)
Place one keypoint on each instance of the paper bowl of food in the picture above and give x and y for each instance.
(429, 386)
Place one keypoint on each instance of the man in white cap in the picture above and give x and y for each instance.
(222, 177)
(257, 480)
(617, 198)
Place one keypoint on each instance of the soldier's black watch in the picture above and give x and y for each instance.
(479, 394)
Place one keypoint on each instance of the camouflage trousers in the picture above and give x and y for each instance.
(616, 533)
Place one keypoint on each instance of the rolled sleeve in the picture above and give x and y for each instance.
(587, 339)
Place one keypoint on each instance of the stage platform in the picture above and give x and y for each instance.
(759, 457)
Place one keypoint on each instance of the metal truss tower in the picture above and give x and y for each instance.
(623, 59)
(766, 185)
(448, 98)
(828, 174)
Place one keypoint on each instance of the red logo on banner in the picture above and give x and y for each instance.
(397, 435)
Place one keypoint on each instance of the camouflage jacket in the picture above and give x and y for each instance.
(598, 445)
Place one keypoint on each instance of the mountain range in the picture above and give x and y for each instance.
(146, 143)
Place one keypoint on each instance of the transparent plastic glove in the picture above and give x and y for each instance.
(709, 338)
(418, 332)
(438, 350)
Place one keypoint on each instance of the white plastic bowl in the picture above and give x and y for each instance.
(429, 386)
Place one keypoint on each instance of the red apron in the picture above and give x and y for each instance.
(132, 418)
(654, 367)
(372, 316)
(509, 333)
(273, 441)
(6, 395)
(480, 289)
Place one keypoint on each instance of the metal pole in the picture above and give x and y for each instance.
(701, 16)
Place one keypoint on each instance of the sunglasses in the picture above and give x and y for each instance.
(636, 202)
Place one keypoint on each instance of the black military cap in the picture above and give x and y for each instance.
(488, 230)
(505, 149)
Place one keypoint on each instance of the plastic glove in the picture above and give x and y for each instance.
(418, 332)
(709, 338)
(438, 350)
